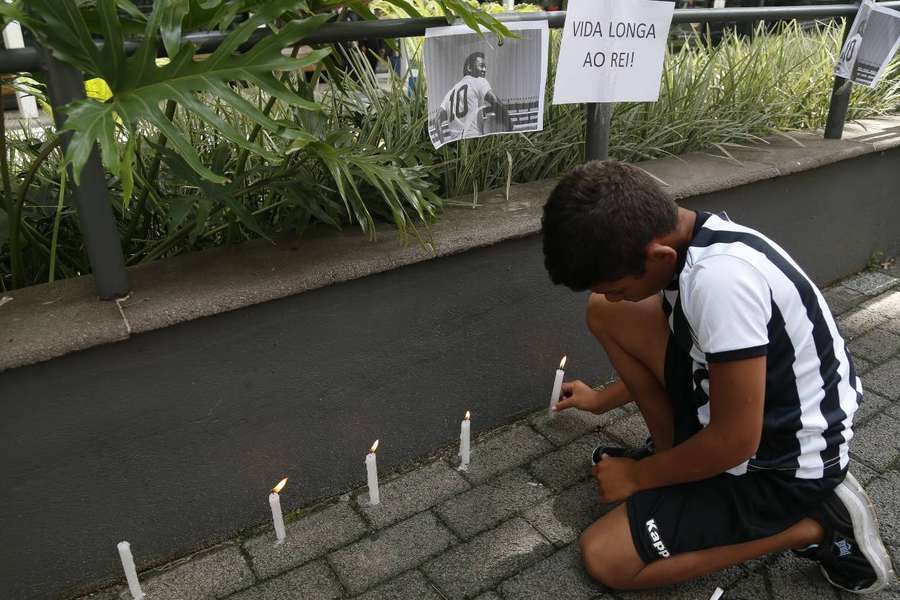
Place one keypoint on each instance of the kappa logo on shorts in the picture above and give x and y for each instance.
(656, 540)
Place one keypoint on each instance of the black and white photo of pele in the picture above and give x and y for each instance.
(478, 87)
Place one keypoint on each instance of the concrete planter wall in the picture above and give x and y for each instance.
(166, 422)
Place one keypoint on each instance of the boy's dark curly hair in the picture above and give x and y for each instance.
(598, 221)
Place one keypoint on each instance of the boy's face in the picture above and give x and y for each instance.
(659, 269)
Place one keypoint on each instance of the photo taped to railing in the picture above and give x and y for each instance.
(479, 86)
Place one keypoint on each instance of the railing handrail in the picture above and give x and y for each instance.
(29, 59)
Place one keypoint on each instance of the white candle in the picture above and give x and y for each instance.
(134, 586)
(277, 517)
(372, 474)
(464, 443)
(557, 385)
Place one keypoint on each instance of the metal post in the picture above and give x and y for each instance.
(98, 225)
(596, 134)
(840, 97)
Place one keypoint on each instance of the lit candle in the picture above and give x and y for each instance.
(557, 385)
(134, 586)
(372, 474)
(277, 517)
(464, 443)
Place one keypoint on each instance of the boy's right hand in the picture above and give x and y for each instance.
(577, 394)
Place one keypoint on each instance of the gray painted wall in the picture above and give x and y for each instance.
(172, 439)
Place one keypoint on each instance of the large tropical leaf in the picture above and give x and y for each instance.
(140, 85)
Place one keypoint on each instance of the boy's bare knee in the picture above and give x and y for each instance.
(604, 552)
(601, 562)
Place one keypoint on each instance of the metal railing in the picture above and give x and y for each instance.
(104, 247)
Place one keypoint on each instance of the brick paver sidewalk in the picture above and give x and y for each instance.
(507, 529)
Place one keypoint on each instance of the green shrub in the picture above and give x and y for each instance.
(369, 158)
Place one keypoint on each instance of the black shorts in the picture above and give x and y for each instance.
(720, 511)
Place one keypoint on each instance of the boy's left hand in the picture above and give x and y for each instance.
(615, 478)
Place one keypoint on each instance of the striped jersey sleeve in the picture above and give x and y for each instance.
(738, 295)
(731, 304)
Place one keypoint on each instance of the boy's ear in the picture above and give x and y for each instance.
(660, 253)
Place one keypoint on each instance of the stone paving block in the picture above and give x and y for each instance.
(892, 325)
(212, 575)
(697, 589)
(840, 299)
(751, 587)
(798, 579)
(505, 450)
(888, 307)
(558, 576)
(862, 366)
(563, 427)
(876, 345)
(492, 502)
(391, 551)
(883, 492)
(872, 404)
(864, 475)
(413, 492)
(885, 379)
(307, 538)
(410, 585)
(877, 443)
(561, 519)
(870, 283)
(893, 410)
(313, 581)
(570, 464)
(109, 594)
(632, 431)
(482, 563)
(858, 321)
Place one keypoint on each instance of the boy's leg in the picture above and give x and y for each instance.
(611, 558)
(635, 336)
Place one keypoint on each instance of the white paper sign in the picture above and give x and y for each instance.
(612, 51)
(871, 43)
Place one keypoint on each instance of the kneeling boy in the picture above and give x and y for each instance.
(737, 366)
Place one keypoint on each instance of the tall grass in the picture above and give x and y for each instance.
(384, 168)
(735, 92)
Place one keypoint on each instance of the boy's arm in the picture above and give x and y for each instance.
(737, 393)
(729, 306)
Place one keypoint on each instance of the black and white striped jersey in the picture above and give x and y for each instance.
(739, 295)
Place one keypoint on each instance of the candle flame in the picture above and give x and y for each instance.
(562, 363)
(374, 447)
(280, 485)
(467, 415)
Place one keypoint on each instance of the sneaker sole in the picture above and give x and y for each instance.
(862, 515)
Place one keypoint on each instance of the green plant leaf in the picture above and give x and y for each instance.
(126, 172)
(112, 56)
(173, 13)
(179, 208)
(144, 86)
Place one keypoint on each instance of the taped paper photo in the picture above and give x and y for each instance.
(871, 44)
(477, 87)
